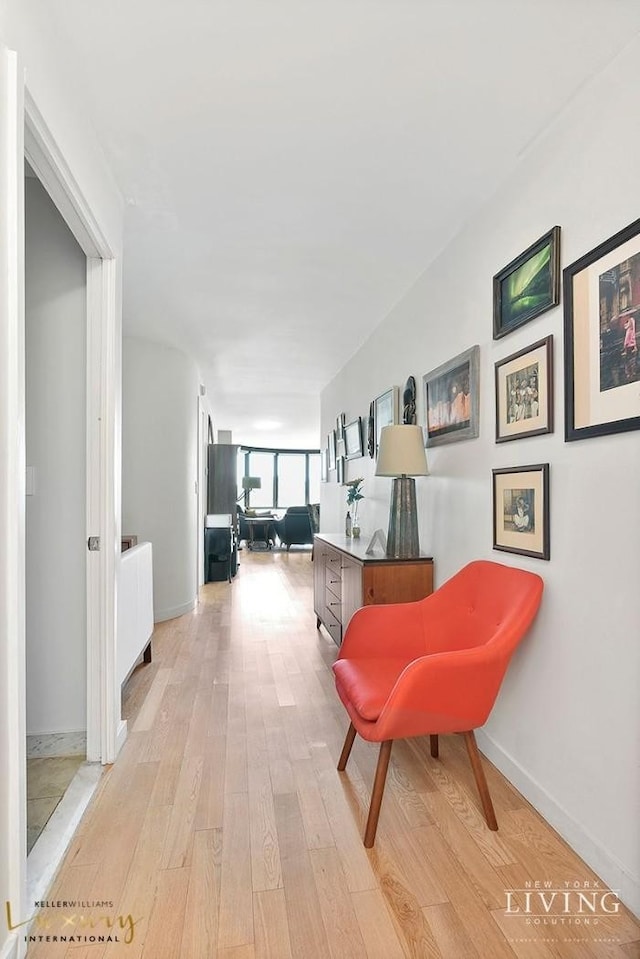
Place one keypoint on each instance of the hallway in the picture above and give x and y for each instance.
(224, 831)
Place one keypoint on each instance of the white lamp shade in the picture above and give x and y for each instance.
(251, 482)
(401, 452)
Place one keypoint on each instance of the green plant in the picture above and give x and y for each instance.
(353, 490)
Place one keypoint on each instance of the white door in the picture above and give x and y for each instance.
(12, 489)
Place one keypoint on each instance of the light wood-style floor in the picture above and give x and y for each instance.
(226, 832)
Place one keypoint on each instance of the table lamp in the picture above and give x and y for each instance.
(249, 483)
(401, 455)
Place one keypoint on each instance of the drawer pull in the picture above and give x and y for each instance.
(335, 604)
(335, 580)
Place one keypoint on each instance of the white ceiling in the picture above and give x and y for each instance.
(291, 166)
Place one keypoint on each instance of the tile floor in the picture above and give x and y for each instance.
(47, 782)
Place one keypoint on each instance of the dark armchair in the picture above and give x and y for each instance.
(296, 527)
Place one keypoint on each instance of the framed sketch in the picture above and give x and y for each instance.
(521, 510)
(528, 286)
(385, 413)
(331, 448)
(601, 320)
(324, 465)
(524, 392)
(340, 421)
(341, 470)
(451, 399)
(353, 445)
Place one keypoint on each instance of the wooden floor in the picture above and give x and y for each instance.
(225, 831)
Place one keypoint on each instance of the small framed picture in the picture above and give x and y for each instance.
(332, 449)
(451, 399)
(524, 392)
(340, 421)
(521, 510)
(385, 412)
(601, 333)
(341, 470)
(353, 445)
(528, 286)
(324, 465)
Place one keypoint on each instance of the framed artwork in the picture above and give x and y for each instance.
(340, 421)
(451, 399)
(521, 510)
(385, 412)
(524, 392)
(341, 470)
(601, 318)
(353, 445)
(528, 286)
(331, 447)
(324, 465)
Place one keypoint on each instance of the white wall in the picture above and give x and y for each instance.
(566, 728)
(56, 435)
(160, 388)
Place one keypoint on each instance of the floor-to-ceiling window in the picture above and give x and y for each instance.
(287, 477)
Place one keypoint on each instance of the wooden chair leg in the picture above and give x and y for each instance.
(376, 795)
(481, 782)
(346, 749)
(433, 742)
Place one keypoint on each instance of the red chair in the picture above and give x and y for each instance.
(434, 666)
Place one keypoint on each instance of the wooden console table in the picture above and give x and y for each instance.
(345, 578)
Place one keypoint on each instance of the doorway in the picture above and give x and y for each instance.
(55, 515)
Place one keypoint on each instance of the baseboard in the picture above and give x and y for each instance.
(121, 736)
(610, 870)
(162, 615)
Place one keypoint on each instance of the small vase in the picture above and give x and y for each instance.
(355, 525)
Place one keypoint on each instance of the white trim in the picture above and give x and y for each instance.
(582, 842)
(53, 171)
(12, 479)
(53, 841)
(103, 350)
(10, 948)
(164, 614)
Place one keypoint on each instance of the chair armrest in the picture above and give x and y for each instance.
(392, 629)
(443, 693)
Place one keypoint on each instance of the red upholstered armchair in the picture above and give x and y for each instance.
(434, 666)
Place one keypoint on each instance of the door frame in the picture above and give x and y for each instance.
(105, 730)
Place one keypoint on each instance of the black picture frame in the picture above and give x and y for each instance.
(536, 272)
(521, 510)
(332, 449)
(341, 471)
(601, 319)
(524, 392)
(353, 444)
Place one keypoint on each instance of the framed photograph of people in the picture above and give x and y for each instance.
(524, 392)
(528, 286)
(601, 327)
(451, 399)
(332, 447)
(385, 412)
(353, 444)
(521, 510)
